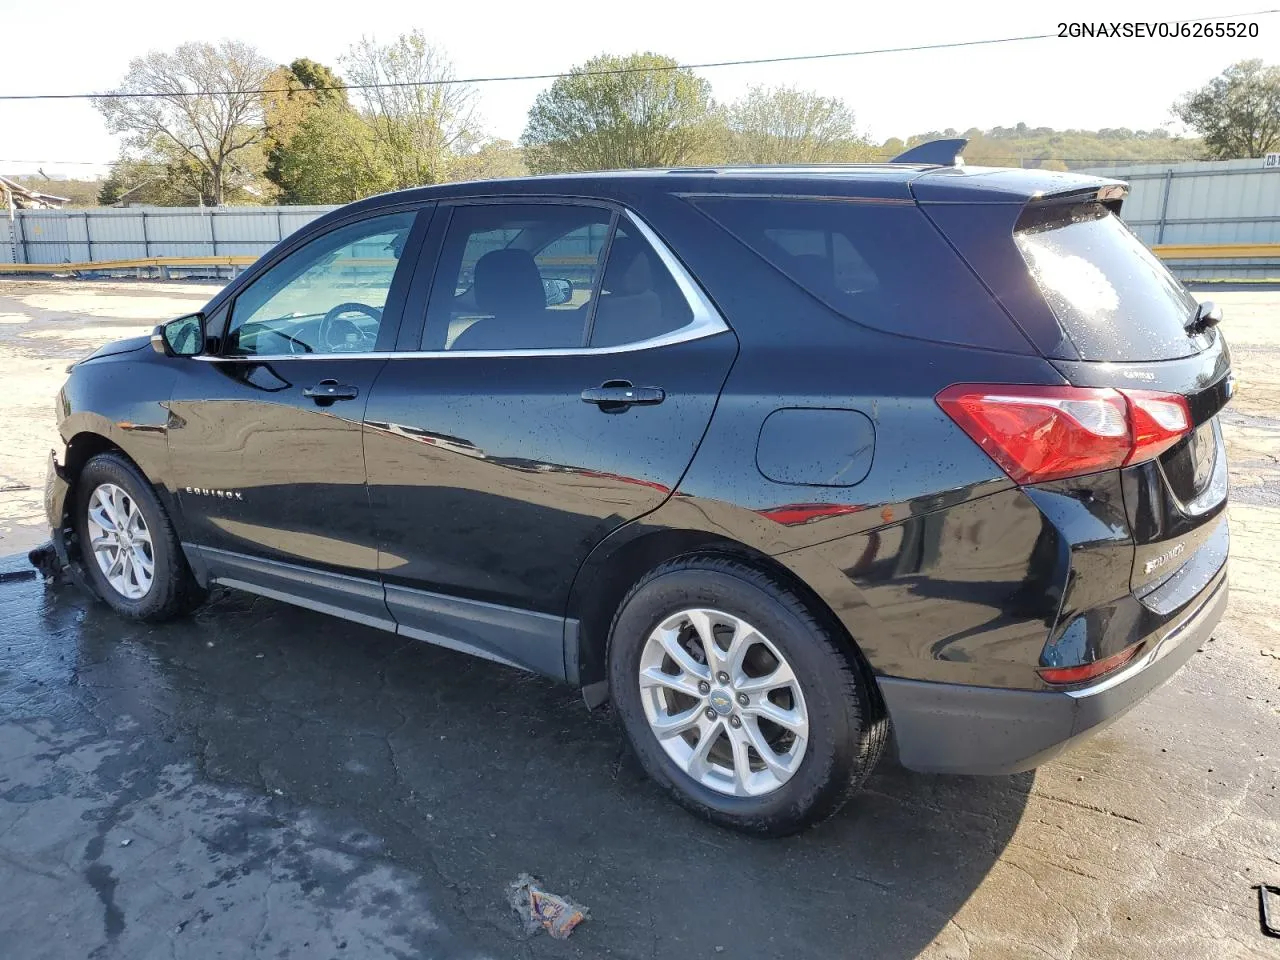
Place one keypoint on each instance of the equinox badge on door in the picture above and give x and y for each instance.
(206, 492)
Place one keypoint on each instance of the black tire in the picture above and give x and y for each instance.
(174, 590)
(847, 723)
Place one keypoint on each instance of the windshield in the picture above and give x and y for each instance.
(1114, 299)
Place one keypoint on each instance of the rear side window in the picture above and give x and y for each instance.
(516, 277)
(639, 299)
(882, 265)
(1111, 295)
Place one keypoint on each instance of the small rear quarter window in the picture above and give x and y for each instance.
(882, 265)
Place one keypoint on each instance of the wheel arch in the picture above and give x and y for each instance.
(620, 561)
(86, 444)
(81, 447)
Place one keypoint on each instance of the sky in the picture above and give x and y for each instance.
(75, 46)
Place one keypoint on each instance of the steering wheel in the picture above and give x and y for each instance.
(338, 334)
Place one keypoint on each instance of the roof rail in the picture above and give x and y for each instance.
(944, 153)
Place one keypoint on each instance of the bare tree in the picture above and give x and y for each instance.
(421, 125)
(200, 105)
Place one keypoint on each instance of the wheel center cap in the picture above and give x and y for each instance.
(721, 702)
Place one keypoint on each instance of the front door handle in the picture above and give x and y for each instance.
(327, 391)
(615, 396)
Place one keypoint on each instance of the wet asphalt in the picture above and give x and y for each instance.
(263, 781)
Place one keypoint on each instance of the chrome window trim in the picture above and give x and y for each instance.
(706, 322)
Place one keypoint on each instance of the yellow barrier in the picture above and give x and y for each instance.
(231, 260)
(1215, 251)
(1168, 251)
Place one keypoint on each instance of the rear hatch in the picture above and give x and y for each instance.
(1117, 319)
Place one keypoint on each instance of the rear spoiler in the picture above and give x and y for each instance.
(1047, 208)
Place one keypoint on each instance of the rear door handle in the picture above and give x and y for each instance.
(614, 396)
(327, 391)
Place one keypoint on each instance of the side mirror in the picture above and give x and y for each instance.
(557, 291)
(183, 337)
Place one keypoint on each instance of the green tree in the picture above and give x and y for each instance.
(198, 107)
(321, 80)
(891, 148)
(613, 112)
(319, 150)
(330, 157)
(1237, 112)
(169, 179)
(786, 125)
(491, 160)
(136, 181)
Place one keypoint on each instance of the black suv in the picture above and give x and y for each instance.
(785, 462)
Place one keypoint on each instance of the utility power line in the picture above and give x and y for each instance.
(756, 61)
(454, 81)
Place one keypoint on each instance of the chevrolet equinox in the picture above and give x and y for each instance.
(788, 464)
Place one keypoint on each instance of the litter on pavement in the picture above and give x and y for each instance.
(538, 908)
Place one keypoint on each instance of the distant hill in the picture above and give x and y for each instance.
(1046, 148)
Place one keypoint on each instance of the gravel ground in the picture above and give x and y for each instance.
(45, 325)
(260, 781)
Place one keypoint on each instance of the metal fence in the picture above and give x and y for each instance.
(91, 236)
(1205, 204)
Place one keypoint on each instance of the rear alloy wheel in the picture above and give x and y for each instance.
(128, 548)
(723, 702)
(740, 699)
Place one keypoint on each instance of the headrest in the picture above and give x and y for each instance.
(507, 282)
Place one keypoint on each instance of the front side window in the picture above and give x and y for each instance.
(325, 297)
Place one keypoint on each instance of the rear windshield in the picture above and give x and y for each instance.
(1114, 299)
(883, 265)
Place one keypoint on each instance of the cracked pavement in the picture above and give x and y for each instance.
(265, 782)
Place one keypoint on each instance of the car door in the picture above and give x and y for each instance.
(265, 431)
(565, 373)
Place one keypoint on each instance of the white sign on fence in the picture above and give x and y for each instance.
(1271, 161)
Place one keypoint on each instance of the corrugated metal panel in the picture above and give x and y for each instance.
(8, 253)
(1231, 201)
(68, 236)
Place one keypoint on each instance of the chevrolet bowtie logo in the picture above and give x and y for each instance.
(207, 492)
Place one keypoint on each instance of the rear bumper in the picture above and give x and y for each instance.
(953, 728)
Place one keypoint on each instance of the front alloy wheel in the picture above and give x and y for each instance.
(723, 702)
(126, 543)
(120, 541)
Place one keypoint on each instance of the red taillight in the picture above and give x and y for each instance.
(1038, 433)
(1089, 671)
(1158, 421)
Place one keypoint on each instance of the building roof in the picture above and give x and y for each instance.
(24, 198)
